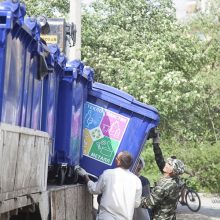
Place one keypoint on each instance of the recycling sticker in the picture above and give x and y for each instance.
(103, 132)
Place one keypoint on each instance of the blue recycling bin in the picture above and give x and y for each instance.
(72, 95)
(113, 121)
(88, 74)
(36, 69)
(11, 17)
(13, 43)
(56, 64)
(50, 90)
(22, 66)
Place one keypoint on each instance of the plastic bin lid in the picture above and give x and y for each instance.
(62, 60)
(33, 27)
(55, 51)
(112, 90)
(18, 9)
(77, 65)
(60, 65)
(53, 56)
(123, 99)
(88, 73)
(15, 6)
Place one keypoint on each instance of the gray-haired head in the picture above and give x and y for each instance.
(125, 159)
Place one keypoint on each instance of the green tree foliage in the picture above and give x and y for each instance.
(49, 8)
(206, 26)
(139, 47)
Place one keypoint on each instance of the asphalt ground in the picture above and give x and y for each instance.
(210, 209)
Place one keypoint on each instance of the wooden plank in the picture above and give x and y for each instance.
(8, 163)
(89, 205)
(47, 147)
(17, 129)
(39, 164)
(44, 206)
(71, 201)
(24, 164)
(77, 203)
(19, 202)
(58, 211)
(44, 145)
(23, 161)
(84, 204)
(81, 203)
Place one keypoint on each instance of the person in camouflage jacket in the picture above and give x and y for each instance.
(164, 196)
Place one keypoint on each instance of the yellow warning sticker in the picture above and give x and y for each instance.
(50, 39)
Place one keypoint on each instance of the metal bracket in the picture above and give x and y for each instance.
(71, 34)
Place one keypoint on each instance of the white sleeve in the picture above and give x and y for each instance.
(138, 194)
(96, 187)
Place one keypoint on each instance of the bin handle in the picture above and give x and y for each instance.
(43, 69)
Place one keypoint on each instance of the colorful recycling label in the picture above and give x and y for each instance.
(103, 132)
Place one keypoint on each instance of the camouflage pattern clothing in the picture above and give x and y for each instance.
(163, 198)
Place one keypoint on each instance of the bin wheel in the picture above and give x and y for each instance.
(71, 176)
(61, 176)
(51, 178)
(75, 177)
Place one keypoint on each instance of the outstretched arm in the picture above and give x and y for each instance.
(157, 152)
(189, 172)
(93, 187)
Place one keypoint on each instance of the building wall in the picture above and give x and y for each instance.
(186, 8)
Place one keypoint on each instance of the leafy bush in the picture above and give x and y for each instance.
(202, 159)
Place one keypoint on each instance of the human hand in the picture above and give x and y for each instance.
(80, 171)
(151, 134)
(156, 138)
(192, 174)
(154, 135)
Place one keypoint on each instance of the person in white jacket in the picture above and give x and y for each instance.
(121, 189)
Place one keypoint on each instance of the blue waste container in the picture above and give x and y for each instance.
(36, 69)
(114, 121)
(50, 89)
(56, 64)
(88, 73)
(22, 66)
(13, 43)
(69, 133)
